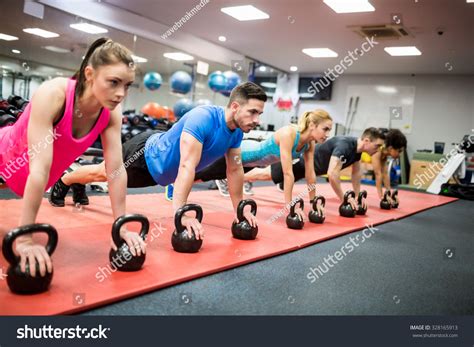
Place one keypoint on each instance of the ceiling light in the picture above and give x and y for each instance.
(352, 6)
(16, 51)
(386, 89)
(136, 59)
(6, 67)
(293, 68)
(8, 37)
(178, 56)
(402, 51)
(57, 49)
(262, 68)
(246, 12)
(89, 28)
(270, 85)
(222, 38)
(320, 52)
(40, 32)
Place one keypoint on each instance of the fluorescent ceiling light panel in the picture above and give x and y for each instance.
(268, 85)
(178, 56)
(350, 6)
(136, 59)
(89, 28)
(386, 89)
(57, 49)
(246, 12)
(320, 52)
(40, 32)
(294, 68)
(16, 51)
(402, 51)
(8, 37)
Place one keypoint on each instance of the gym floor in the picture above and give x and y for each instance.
(419, 265)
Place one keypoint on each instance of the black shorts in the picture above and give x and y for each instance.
(277, 171)
(133, 153)
(215, 171)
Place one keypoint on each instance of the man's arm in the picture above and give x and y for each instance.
(235, 175)
(310, 174)
(377, 166)
(334, 173)
(356, 176)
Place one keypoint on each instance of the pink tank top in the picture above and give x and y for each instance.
(14, 159)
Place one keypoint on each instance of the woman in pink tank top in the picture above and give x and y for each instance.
(64, 118)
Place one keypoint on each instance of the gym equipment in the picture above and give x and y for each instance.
(182, 107)
(152, 109)
(384, 203)
(360, 209)
(152, 80)
(22, 282)
(185, 241)
(232, 80)
(242, 230)
(181, 82)
(345, 209)
(394, 195)
(203, 102)
(314, 215)
(217, 81)
(127, 262)
(6, 119)
(126, 134)
(293, 220)
(18, 102)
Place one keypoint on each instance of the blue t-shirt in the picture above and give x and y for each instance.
(207, 125)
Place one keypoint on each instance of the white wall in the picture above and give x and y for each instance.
(443, 109)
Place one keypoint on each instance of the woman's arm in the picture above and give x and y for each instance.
(377, 166)
(287, 137)
(310, 174)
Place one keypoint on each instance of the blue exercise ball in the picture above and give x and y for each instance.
(203, 102)
(182, 106)
(233, 79)
(217, 81)
(152, 80)
(181, 82)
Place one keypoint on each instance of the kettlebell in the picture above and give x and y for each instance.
(395, 198)
(22, 282)
(360, 209)
(294, 221)
(384, 203)
(346, 210)
(128, 262)
(242, 229)
(186, 242)
(314, 215)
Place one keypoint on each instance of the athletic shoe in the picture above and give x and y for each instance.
(222, 186)
(58, 193)
(79, 195)
(280, 187)
(169, 189)
(248, 188)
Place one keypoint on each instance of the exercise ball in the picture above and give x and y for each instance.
(233, 79)
(217, 81)
(169, 114)
(181, 82)
(152, 109)
(181, 107)
(152, 80)
(203, 102)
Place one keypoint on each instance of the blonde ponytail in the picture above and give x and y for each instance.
(316, 117)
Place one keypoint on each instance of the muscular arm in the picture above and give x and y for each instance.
(355, 177)
(378, 168)
(191, 150)
(116, 173)
(310, 174)
(235, 175)
(334, 173)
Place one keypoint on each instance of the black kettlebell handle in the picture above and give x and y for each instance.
(241, 206)
(181, 211)
(315, 202)
(7, 247)
(120, 221)
(292, 208)
(362, 195)
(386, 195)
(347, 195)
(394, 194)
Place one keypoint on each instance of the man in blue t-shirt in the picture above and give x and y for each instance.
(199, 138)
